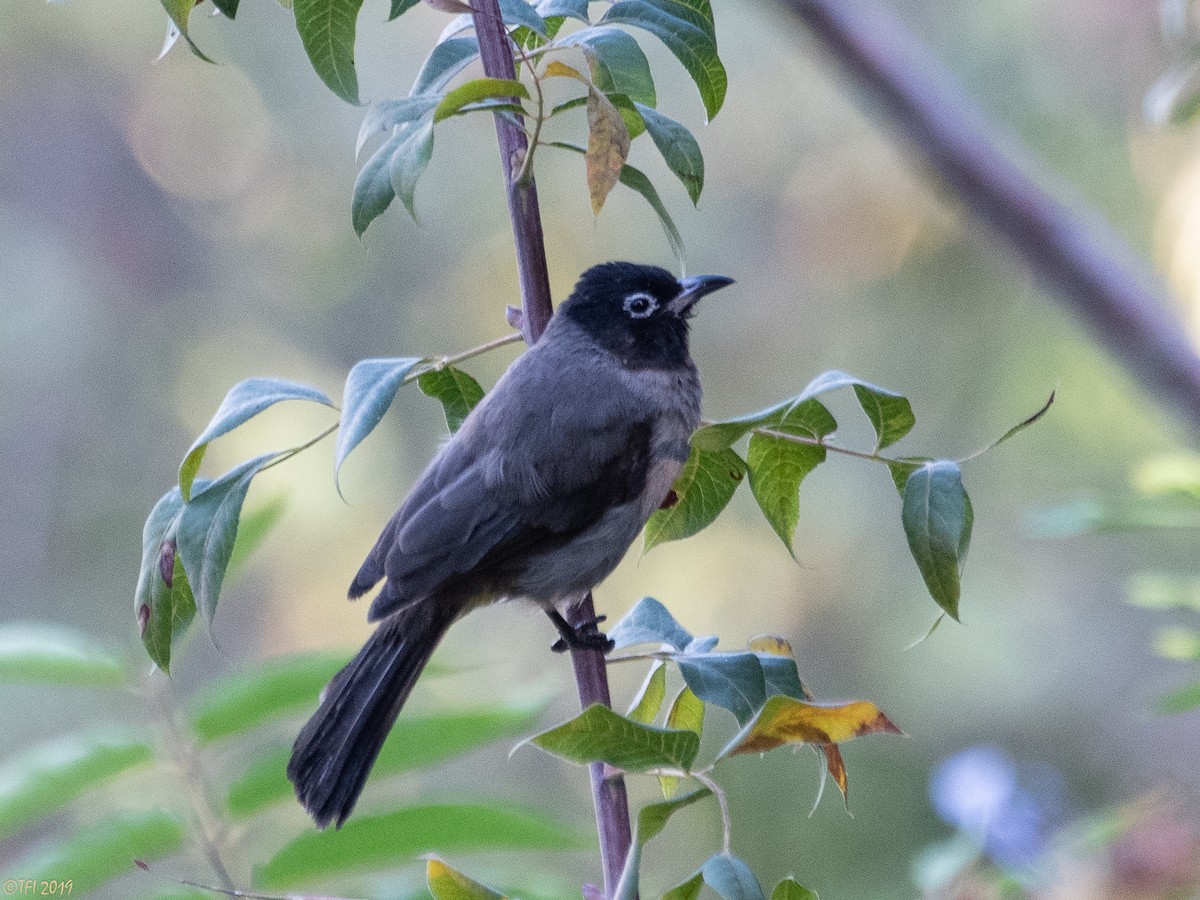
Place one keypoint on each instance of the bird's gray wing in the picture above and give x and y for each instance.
(529, 469)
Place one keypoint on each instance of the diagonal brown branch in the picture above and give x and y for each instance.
(1094, 271)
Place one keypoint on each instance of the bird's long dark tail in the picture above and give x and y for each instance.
(337, 748)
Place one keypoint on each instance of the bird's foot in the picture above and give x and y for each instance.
(584, 636)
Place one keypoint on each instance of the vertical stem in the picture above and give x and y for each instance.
(591, 675)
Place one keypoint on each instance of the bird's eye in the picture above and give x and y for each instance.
(640, 305)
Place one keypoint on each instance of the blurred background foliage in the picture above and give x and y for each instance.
(169, 228)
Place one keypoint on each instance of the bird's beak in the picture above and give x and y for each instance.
(692, 289)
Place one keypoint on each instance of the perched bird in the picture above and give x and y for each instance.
(538, 495)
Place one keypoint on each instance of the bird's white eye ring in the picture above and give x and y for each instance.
(640, 305)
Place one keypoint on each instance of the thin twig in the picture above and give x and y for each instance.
(723, 802)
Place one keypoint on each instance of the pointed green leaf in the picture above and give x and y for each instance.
(571, 9)
(387, 114)
(391, 840)
(617, 63)
(163, 601)
(937, 521)
(702, 490)
(687, 890)
(95, 855)
(409, 158)
(678, 148)
(208, 528)
(691, 44)
(733, 681)
(327, 31)
(415, 742)
(476, 90)
(778, 465)
(1183, 700)
(370, 389)
(791, 889)
(520, 13)
(373, 191)
(45, 778)
(600, 735)
(445, 60)
(457, 391)
(649, 622)
(244, 401)
(446, 883)
(651, 820)
(901, 469)
(802, 411)
(228, 8)
(1020, 426)
(731, 878)
(400, 7)
(32, 654)
(239, 702)
(686, 712)
(179, 11)
(649, 699)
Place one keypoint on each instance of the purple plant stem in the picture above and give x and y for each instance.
(591, 674)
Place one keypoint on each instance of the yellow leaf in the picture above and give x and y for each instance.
(446, 883)
(836, 767)
(785, 720)
(607, 150)
(562, 70)
(771, 643)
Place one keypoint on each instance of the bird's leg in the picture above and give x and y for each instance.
(584, 636)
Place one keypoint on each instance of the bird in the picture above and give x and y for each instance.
(537, 496)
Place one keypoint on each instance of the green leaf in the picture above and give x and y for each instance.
(691, 44)
(649, 622)
(387, 114)
(686, 712)
(244, 401)
(651, 820)
(106, 850)
(649, 699)
(520, 13)
(571, 9)
(228, 8)
(410, 156)
(44, 779)
(327, 31)
(731, 878)
(702, 490)
(415, 742)
(163, 601)
(239, 702)
(617, 63)
(208, 528)
(890, 414)
(937, 520)
(799, 410)
(37, 654)
(370, 389)
(457, 391)
(373, 191)
(901, 469)
(600, 735)
(391, 840)
(1183, 700)
(730, 680)
(445, 60)
(400, 7)
(778, 465)
(179, 11)
(686, 890)
(446, 883)
(1019, 427)
(791, 889)
(678, 148)
(474, 91)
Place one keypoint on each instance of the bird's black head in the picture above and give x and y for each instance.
(638, 312)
